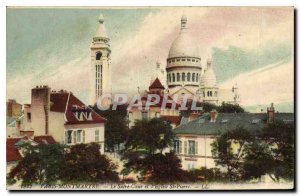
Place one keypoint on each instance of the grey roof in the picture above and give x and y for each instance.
(252, 122)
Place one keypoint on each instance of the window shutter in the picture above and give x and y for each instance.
(180, 147)
(74, 132)
(66, 137)
(196, 147)
(83, 136)
(185, 147)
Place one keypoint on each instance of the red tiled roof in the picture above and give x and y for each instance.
(172, 119)
(67, 103)
(45, 139)
(156, 84)
(58, 101)
(159, 104)
(12, 153)
(74, 105)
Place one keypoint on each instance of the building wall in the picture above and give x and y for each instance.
(153, 112)
(13, 109)
(40, 105)
(202, 157)
(27, 122)
(56, 126)
(89, 131)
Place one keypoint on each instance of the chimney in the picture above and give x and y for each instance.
(271, 114)
(193, 116)
(213, 115)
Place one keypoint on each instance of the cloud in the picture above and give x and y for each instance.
(273, 83)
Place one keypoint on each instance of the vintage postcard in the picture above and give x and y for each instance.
(150, 98)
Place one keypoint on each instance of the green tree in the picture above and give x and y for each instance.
(84, 163)
(226, 156)
(149, 135)
(116, 126)
(143, 151)
(258, 160)
(40, 164)
(230, 108)
(280, 138)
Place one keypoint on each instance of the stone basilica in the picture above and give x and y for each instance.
(184, 74)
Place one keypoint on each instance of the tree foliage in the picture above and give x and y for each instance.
(47, 164)
(83, 162)
(149, 135)
(230, 108)
(269, 152)
(116, 126)
(41, 164)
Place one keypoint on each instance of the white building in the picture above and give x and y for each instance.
(100, 79)
(63, 116)
(186, 74)
(194, 139)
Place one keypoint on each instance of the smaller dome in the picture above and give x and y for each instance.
(209, 78)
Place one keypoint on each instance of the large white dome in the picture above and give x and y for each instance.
(183, 46)
(208, 79)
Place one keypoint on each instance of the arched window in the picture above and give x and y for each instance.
(193, 77)
(173, 77)
(98, 55)
(188, 77)
(197, 77)
(208, 93)
(178, 77)
(169, 77)
(183, 77)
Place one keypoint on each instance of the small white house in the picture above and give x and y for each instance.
(64, 117)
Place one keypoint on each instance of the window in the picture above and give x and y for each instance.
(97, 135)
(177, 59)
(197, 77)
(183, 77)
(69, 136)
(193, 77)
(173, 60)
(183, 59)
(192, 147)
(79, 136)
(188, 59)
(169, 61)
(144, 115)
(185, 147)
(178, 77)
(83, 136)
(28, 116)
(193, 60)
(208, 93)
(173, 75)
(98, 55)
(74, 137)
(188, 77)
(178, 146)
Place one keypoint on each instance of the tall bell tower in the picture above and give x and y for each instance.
(100, 63)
